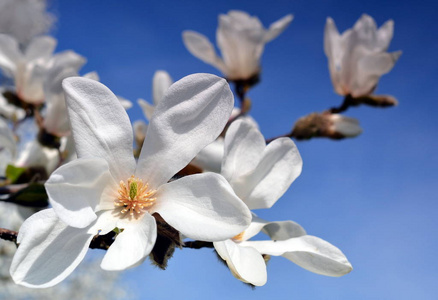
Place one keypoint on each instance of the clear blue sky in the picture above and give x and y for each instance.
(375, 197)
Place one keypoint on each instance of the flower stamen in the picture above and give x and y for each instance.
(134, 197)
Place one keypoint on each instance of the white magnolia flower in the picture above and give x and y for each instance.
(241, 39)
(33, 154)
(358, 57)
(24, 19)
(344, 126)
(10, 111)
(105, 188)
(260, 175)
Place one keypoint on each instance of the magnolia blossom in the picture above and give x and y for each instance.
(106, 188)
(24, 19)
(10, 111)
(8, 146)
(358, 57)
(241, 39)
(29, 68)
(344, 126)
(260, 175)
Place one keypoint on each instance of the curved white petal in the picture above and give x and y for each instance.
(244, 145)
(245, 263)
(10, 54)
(132, 245)
(40, 47)
(309, 252)
(348, 127)
(34, 154)
(283, 230)
(49, 250)
(7, 140)
(76, 189)
(148, 109)
(160, 84)
(199, 46)
(280, 165)
(192, 114)
(384, 35)
(278, 27)
(202, 207)
(100, 125)
(209, 159)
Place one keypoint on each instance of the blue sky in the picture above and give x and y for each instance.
(374, 197)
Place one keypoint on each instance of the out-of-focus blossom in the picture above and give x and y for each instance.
(241, 39)
(10, 111)
(8, 146)
(104, 189)
(358, 57)
(260, 175)
(24, 19)
(344, 126)
(34, 154)
(160, 84)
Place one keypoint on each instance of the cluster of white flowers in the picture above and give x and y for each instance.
(200, 167)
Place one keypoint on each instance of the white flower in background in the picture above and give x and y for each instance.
(105, 188)
(10, 111)
(241, 39)
(358, 57)
(344, 126)
(24, 19)
(260, 175)
(8, 146)
(34, 154)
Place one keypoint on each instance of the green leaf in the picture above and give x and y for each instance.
(13, 172)
(32, 196)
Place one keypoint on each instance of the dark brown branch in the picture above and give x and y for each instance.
(197, 244)
(8, 235)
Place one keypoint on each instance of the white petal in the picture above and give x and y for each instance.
(49, 250)
(309, 252)
(278, 27)
(75, 190)
(202, 207)
(100, 125)
(7, 140)
(148, 109)
(244, 145)
(334, 50)
(280, 165)
(160, 84)
(132, 245)
(246, 263)
(192, 114)
(9, 54)
(348, 127)
(36, 155)
(209, 159)
(199, 46)
(384, 35)
(40, 47)
(283, 230)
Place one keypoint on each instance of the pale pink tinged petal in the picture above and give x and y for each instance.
(49, 250)
(280, 165)
(160, 84)
(209, 159)
(75, 189)
(278, 27)
(132, 245)
(244, 145)
(10, 54)
(148, 109)
(370, 68)
(199, 46)
(384, 35)
(245, 263)
(309, 252)
(192, 114)
(334, 51)
(202, 207)
(100, 125)
(40, 47)
(283, 230)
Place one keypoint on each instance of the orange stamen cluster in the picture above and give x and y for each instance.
(134, 197)
(239, 237)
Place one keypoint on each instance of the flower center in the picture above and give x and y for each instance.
(239, 237)
(134, 197)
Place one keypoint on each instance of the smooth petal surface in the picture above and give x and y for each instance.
(160, 84)
(202, 207)
(49, 250)
(309, 252)
(40, 47)
(9, 54)
(283, 230)
(100, 125)
(348, 127)
(199, 46)
(7, 140)
(246, 263)
(192, 114)
(148, 109)
(132, 245)
(244, 145)
(75, 190)
(280, 165)
(35, 155)
(278, 27)
(210, 158)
